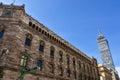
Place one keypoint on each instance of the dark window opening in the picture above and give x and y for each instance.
(74, 74)
(39, 29)
(27, 41)
(41, 48)
(36, 27)
(60, 57)
(8, 13)
(68, 60)
(45, 33)
(33, 26)
(48, 34)
(42, 31)
(73, 62)
(30, 23)
(52, 53)
(79, 65)
(39, 64)
(1, 34)
(68, 72)
(1, 72)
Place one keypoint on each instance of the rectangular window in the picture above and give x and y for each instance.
(1, 72)
(52, 53)
(68, 72)
(60, 57)
(41, 48)
(74, 74)
(1, 34)
(39, 63)
(27, 42)
(68, 60)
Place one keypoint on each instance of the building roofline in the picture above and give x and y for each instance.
(64, 41)
(54, 34)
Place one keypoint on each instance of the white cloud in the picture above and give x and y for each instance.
(118, 70)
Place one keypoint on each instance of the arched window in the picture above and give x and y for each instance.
(28, 40)
(1, 34)
(79, 65)
(36, 27)
(60, 55)
(33, 26)
(30, 23)
(41, 46)
(52, 50)
(68, 60)
(74, 63)
(39, 64)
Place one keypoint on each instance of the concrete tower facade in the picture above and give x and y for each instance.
(105, 52)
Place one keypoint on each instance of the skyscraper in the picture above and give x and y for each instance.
(105, 52)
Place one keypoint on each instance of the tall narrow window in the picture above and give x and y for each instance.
(39, 64)
(68, 60)
(80, 77)
(74, 63)
(68, 72)
(74, 73)
(28, 40)
(1, 72)
(1, 34)
(52, 52)
(61, 71)
(79, 65)
(41, 46)
(60, 56)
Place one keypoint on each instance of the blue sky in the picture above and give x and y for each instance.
(77, 22)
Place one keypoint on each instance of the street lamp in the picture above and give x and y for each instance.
(24, 70)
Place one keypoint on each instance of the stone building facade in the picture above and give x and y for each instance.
(105, 73)
(48, 54)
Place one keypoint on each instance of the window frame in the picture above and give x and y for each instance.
(1, 34)
(28, 40)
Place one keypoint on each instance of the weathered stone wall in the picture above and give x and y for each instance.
(17, 28)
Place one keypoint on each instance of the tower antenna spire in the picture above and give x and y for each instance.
(99, 30)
